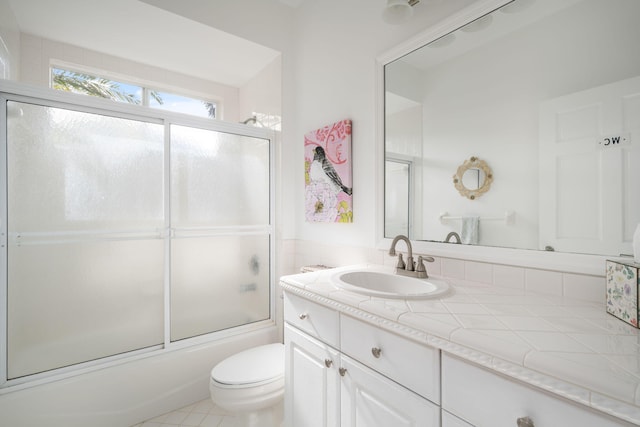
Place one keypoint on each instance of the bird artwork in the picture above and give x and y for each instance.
(328, 190)
(321, 169)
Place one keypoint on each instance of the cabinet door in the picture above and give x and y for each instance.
(369, 399)
(312, 390)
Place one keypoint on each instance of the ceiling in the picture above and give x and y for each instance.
(140, 32)
(500, 23)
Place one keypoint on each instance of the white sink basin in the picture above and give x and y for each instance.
(386, 285)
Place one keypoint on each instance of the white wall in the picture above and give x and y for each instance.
(9, 43)
(336, 46)
(38, 54)
(263, 93)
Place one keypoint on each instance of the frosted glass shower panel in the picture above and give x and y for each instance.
(218, 179)
(72, 170)
(218, 283)
(85, 257)
(74, 302)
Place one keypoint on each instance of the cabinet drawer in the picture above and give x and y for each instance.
(484, 398)
(314, 319)
(411, 364)
(449, 420)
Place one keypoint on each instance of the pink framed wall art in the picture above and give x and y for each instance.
(328, 175)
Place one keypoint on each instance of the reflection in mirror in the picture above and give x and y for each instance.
(543, 88)
(397, 188)
(473, 178)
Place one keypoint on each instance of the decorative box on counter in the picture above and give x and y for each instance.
(622, 290)
(312, 268)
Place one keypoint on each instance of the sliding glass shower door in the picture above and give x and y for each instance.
(85, 254)
(126, 234)
(221, 240)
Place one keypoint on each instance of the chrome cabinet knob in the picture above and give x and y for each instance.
(328, 363)
(303, 316)
(376, 352)
(525, 422)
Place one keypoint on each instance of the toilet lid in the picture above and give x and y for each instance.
(258, 364)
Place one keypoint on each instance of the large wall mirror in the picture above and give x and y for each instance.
(547, 93)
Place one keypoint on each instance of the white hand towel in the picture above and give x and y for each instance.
(470, 230)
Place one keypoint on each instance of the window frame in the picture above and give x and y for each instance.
(146, 86)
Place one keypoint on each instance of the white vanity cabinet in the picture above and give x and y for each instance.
(483, 398)
(354, 366)
(326, 387)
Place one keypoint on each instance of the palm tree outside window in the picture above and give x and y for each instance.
(102, 87)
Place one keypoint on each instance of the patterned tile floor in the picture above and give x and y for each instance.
(200, 414)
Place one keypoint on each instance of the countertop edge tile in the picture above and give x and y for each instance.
(543, 381)
(615, 407)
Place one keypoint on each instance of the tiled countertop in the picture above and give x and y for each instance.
(569, 347)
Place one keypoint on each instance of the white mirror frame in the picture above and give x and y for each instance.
(559, 261)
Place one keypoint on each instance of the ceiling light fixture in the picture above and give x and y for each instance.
(398, 11)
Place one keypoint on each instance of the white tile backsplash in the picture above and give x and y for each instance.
(454, 268)
(508, 276)
(577, 286)
(434, 268)
(583, 287)
(548, 282)
(479, 271)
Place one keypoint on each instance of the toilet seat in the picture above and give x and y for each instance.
(251, 368)
(251, 385)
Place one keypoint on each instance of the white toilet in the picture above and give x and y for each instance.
(250, 384)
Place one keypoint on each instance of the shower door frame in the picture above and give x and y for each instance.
(11, 91)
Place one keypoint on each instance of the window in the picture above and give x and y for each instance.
(182, 104)
(103, 87)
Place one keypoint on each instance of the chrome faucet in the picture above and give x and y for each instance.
(454, 235)
(409, 268)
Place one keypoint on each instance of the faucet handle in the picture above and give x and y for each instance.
(400, 263)
(421, 270)
(410, 264)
